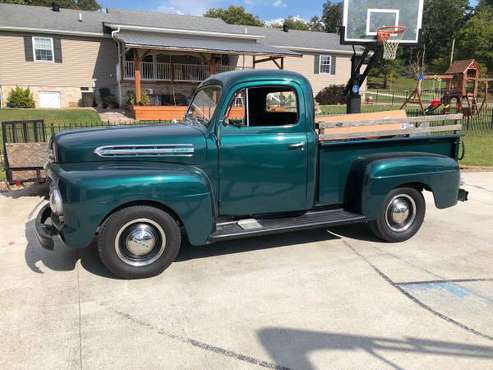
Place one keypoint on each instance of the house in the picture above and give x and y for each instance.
(69, 58)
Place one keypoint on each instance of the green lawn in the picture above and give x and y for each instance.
(404, 83)
(50, 115)
(54, 116)
(341, 109)
(479, 151)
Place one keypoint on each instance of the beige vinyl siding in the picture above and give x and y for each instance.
(306, 66)
(87, 62)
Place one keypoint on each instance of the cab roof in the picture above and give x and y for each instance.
(228, 79)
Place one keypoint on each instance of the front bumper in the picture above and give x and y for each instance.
(45, 232)
(463, 195)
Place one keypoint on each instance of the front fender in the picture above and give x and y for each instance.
(92, 191)
(373, 177)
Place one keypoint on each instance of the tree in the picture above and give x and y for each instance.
(235, 15)
(316, 24)
(295, 23)
(475, 39)
(442, 20)
(88, 5)
(332, 16)
(483, 3)
(389, 70)
(69, 4)
(299, 24)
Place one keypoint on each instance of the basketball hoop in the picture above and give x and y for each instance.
(388, 37)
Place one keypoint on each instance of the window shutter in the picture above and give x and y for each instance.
(28, 48)
(317, 65)
(57, 46)
(333, 65)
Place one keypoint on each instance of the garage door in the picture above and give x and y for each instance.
(49, 99)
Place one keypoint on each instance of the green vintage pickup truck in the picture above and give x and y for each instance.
(246, 161)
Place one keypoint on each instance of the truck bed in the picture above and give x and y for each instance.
(338, 151)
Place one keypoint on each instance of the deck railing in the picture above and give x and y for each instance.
(172, 71)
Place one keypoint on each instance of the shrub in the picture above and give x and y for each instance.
(109, 100)
(145, 99)
(331, 95)
(21, 98)
(130, 98)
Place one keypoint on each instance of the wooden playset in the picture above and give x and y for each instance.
(462, 85)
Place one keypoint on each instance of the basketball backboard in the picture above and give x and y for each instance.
(362, 19)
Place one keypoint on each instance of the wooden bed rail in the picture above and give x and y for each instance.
(385, 121)
(409, 126)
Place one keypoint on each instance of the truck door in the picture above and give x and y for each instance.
(263, 152)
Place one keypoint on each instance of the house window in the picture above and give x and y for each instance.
(43, 49)
(326, 64)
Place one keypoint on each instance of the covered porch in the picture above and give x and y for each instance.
(158, 72)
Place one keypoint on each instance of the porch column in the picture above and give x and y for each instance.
(138, 84)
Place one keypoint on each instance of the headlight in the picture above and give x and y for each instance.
(56, 202)
(53, 151)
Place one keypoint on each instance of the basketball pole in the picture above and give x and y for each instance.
(358, 78)
(353, 96)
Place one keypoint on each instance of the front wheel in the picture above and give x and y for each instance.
(401, 216)
(139, 242)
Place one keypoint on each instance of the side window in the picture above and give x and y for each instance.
(263, 107)
(272, 106)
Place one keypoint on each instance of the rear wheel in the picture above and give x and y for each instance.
(139, 242)
(401, 216)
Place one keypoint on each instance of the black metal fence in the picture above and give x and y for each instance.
(399, 96)
(38, 131)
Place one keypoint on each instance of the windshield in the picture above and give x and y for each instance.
(204, 104)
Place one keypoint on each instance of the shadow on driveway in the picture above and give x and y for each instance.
(292, 347)
(63, 258)
(33, 190)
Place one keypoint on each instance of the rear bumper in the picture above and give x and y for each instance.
(45, 232)
(463, 195)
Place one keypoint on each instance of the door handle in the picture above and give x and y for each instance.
(297, 146)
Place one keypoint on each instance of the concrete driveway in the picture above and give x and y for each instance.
(311, 300)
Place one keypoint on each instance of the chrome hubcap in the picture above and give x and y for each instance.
(400, 213)
(140, 242)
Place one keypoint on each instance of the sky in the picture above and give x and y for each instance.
(268, 10)
(265, 9)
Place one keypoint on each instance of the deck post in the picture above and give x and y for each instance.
(138, 83)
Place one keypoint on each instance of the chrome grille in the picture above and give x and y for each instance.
(151, 150)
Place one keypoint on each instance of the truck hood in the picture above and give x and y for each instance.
(181, 143)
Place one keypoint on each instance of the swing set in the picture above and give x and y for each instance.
(462, 85)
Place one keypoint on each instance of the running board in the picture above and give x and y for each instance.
(310, 220)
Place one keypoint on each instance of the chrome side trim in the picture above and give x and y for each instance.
(150, 150)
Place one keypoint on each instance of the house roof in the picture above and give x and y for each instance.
(66, 21)
(461, 66)
(170, 21)
(302, 40)
(182, 42)
(22, 17)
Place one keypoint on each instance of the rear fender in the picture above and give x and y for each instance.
(373, 177)
(94, 191)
